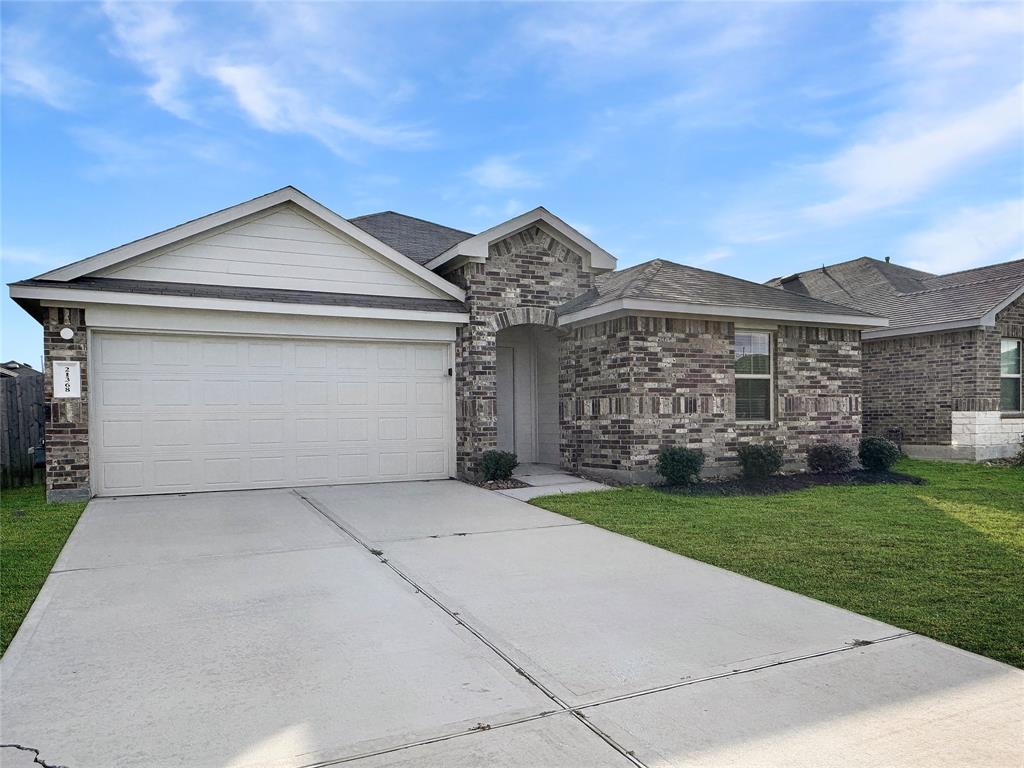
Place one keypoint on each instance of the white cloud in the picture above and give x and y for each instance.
(710, 257)
(893, 169)
(286, 73)
(970, 237)
(284, 109)
(499, 172)
(29, 69)
(944, 99)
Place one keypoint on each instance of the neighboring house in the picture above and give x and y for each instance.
(945, 377)
(276, 343)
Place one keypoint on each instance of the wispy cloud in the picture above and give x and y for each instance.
(31, 68)
(893, 169)
(285, 73)
(946, 101)
(970, 237)
(503, 172)
(116, 154)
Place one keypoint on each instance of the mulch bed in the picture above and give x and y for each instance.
(794, 482)
(499, 485)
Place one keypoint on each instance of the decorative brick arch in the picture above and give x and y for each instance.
(506, 318)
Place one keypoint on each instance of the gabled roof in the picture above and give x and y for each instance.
(235, 213)
(419, 239)
(475, 248)
(914, 301)
(661, 285)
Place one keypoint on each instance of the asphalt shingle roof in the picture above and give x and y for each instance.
(909, 297)
(418, 239)
(662, 280)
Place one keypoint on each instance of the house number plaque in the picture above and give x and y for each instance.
(67, 379)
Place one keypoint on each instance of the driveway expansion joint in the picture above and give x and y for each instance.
(563, 705)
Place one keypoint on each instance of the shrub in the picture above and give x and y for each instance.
(498, 465)
(878, 454)
(829, 457)
(758, 461)
(680, 466)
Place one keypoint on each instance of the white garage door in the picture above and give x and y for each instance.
(205, 413)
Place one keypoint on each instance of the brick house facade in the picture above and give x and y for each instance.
(222, 379)
(631, 386)
(937, 392)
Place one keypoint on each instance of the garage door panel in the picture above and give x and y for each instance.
(179, 413)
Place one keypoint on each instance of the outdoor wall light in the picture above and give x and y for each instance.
(67, 334)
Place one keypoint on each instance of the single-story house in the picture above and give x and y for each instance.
(276, 343)
(944, 379)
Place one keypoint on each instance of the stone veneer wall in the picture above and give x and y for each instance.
(640, 384)
(914, 384)
(67, 426)
(525, 277)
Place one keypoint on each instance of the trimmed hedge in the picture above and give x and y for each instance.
(829, 457)
(497, 465)
(759, 461)
(878, 454)
(680, 466)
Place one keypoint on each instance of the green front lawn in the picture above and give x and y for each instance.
(945, 559)
(32, 533)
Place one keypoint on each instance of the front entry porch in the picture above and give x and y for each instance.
(526, 372)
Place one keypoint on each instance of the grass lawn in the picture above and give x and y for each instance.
(945, 559)
(32, 533)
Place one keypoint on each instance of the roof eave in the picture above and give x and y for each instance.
(33, 298)
(629, 306)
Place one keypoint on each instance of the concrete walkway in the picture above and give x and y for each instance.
(439, 624)
(545, 480)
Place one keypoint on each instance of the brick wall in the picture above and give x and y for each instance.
(1010, 322)
(67, 428)
(525, 277)
(640, 384)
(914, 383)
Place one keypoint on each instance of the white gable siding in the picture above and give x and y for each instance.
(281, 249)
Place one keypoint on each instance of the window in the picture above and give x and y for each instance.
(1009, 372)
(753, 376)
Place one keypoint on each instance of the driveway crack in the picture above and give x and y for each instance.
(35, 755)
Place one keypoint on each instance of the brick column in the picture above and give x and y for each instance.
(67, 427)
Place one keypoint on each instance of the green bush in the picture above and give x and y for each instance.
(878, 454)
(829, 457)
(498, 465)
(759, 461)
(680, 466)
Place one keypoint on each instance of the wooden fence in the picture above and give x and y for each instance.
(21, 430)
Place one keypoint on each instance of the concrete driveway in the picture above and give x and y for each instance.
(437, 624)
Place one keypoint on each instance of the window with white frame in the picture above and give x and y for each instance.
(1010, 375)
(754, 366)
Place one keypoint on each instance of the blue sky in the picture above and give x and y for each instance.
(753, 139)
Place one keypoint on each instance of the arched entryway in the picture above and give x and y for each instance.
(527, 392)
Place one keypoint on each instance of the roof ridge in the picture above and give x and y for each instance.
(978, 269)
(650, 271)
(937, 288)
(414, 218)
(769, 287)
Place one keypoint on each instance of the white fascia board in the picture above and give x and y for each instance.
(990, 316)
(73, 297)
(238, 212)
(475, 248)
(636, 306)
